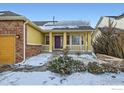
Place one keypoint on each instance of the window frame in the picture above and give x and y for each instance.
(46, 40)
(75, 38)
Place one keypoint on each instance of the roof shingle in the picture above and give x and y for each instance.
(8, 13)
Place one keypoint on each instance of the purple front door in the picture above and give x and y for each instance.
(57, 41)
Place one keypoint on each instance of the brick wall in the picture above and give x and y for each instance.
(14, 28)
(32, 50)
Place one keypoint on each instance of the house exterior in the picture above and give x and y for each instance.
(75, 35)
(118, 23)
(21, 38)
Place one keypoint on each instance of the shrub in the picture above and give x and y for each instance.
(65, 52)
(109, 68)
(66, 65)
(94, 68)
(5, 68)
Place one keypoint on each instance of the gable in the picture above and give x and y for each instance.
(103, 22)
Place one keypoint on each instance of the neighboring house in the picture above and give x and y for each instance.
(76, 35)
(20, 38)
(104, 22)
(118, 22)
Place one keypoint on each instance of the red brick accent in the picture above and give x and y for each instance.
(14, 28)
(32, 50)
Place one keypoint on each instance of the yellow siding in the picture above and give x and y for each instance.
(89, 41)
(34, 36)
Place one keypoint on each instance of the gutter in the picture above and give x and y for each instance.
(68, 30)
(24, 42)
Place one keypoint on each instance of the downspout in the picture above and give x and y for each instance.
(24, 42)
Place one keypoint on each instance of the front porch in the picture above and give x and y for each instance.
(80, 41)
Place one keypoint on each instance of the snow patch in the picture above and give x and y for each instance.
(84, 58)
(49, 78)
(38, 60)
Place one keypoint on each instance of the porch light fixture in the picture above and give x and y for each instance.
(17, 36)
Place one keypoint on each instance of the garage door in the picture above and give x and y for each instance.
(7, 47)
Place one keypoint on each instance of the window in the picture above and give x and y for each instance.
(75, 40)
(47, 40)
(82, 40)
(68, 40)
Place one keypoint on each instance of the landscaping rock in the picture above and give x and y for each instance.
(113, 76)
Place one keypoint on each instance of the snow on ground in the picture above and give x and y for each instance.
(84, 57)
(49, 78)
(38, 60)
(41, 59)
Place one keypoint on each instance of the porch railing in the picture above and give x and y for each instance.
(45, 47)
(76, 47)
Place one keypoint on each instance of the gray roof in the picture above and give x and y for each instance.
(116, 17)
(41, 23)
(64, 25)
(68, 23)
(8, 13)
(116, 30)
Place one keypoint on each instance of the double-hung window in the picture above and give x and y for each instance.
(75, 39)
(47, 40)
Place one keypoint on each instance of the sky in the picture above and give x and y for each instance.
(62, 11)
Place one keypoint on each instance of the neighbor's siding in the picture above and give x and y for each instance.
(34, 37)
(96, 34)
(89, 42)
(119, 22)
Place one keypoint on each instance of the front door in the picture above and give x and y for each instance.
(57, 42)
